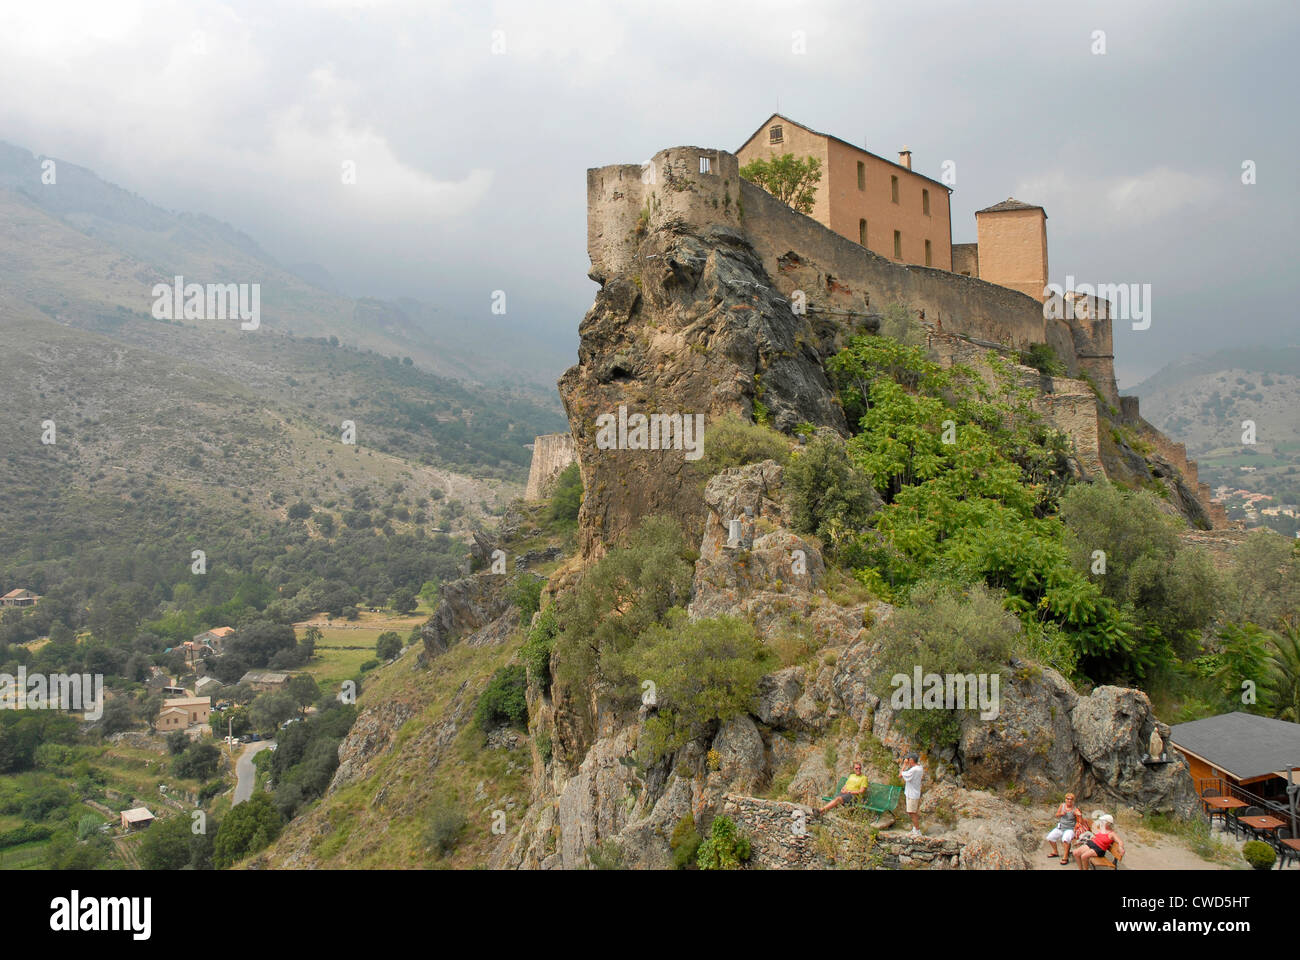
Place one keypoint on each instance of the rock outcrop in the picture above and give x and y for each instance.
(475, 610)
(1046, 739)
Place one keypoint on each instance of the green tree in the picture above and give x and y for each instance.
(1282, 683)
(199, 762)
(403, 600)
(271, 709)
(304, 690)
(249, 827)
(166, 844)
(567, 496)
(827, 493)
(790, 180)
(703, 671)
(1170, 590)
(388, 645)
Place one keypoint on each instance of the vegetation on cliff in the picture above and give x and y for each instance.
(977, 489)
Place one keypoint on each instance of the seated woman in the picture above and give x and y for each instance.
(1103, 839)
(1070, 823)
(854, 787)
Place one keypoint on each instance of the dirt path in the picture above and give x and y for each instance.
(1143, 850)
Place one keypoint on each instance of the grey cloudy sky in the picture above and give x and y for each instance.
(471, 165)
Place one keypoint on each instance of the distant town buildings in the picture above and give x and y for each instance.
(19, 598)
(137, 818)
(180, 713)
(265, 680)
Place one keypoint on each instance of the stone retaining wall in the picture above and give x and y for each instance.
(773, 830)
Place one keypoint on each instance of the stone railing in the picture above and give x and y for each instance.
(781, 840)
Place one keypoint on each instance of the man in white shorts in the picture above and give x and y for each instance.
(912, 772)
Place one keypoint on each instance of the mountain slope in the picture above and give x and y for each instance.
(1206, 400)
(81, 247)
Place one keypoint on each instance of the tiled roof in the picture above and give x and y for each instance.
(1010, 203)
(831, 136)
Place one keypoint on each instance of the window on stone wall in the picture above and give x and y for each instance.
(862, 175)
(862, 230)
(898, 245)
(705, 165)
(927, 254)
(775, 134)
(893, 188)
(925, 201)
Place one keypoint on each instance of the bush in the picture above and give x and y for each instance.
(446, 824)
(527, 596)
(388, 645)
(828, 495)
(536, 651)
(724, 849)
(685, 843)
(606, 855)
(945, 631)
(504, 700)
(1258, 854)
(566, 499)
(1043, 358)
(733, 442)
(248, 828)
(703, 671)
(629, 589)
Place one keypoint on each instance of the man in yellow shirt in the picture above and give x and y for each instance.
(854, 786)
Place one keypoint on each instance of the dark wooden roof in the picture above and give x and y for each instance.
(1242, 744)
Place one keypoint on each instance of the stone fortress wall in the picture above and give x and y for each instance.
(700, 190)
(551, 454)
(619, 197)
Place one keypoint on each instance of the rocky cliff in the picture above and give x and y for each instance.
(809, 721)
(716, 299)
(714, 296)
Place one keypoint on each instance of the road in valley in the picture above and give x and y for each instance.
(245, 772)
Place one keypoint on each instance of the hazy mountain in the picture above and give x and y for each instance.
(1208, 400)
(79, 247)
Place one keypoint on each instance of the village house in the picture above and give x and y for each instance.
(265, 680)
(179, 713)
(205, 686)
(213, 639)
(19, 598)
(170, 719)
(137, 818)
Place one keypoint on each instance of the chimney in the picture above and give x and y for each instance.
(905, 158)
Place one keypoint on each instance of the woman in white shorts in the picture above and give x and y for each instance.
(1067, 826)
